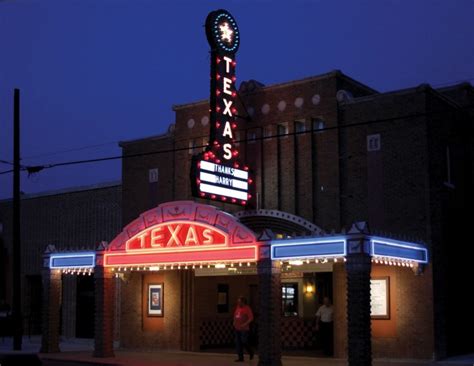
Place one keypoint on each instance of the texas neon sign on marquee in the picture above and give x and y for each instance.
(218, 173)
(180, 242)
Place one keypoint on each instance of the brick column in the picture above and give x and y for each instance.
(269, 333)
(189, 338)
(104, 312)
(358, 268)
(51, 309)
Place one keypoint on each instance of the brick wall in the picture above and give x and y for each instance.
(138, 330)
(74, 219)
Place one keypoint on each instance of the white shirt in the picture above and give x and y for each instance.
(325, 313)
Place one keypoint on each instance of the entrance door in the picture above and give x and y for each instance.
(85, 307)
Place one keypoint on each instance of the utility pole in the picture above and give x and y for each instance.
(17, 317)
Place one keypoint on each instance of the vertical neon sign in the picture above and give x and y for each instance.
(218, 173)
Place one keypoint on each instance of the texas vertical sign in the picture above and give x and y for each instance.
(218, 173)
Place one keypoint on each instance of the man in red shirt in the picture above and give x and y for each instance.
(243, 316)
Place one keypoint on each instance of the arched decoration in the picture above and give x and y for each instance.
(279, 222)
(182, 232)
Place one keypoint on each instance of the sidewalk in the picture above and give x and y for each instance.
(79, 351)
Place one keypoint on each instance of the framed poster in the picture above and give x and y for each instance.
(380, 298)
(155, 299)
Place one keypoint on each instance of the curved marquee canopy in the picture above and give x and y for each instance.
(182, 232)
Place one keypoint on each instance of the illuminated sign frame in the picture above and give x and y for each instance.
(72, 260)
(387, 248)
(303, 248)
(218, 173)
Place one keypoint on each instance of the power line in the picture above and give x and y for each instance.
(57, 152)
(52, 153)
(37, 168)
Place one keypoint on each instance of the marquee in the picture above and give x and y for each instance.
(182, 233)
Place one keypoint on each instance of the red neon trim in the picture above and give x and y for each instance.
(237, 254)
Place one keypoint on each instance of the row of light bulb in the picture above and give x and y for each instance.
(386, 261)
(300, 262)
(77, 271)
(392, 262)
(180, 266)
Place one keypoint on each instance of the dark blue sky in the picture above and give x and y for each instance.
(94, 72)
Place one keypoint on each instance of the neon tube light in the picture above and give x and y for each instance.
(72, 260)
(398, 250)
(192, 256)
(308, 248)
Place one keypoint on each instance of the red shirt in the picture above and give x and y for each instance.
(242, 315)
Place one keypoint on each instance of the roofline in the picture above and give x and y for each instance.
(462, 85)
(68, 190)
(146, 138)
(358, 83)
(334, 73)
(415, 89)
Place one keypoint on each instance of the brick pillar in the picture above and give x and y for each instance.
(269, 334)
(104, 312)
(358, 268)
(51, 310)
(189, 341)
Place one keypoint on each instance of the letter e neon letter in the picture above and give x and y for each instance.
(157, 237)
(227, 82)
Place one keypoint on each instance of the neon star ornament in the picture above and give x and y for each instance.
(226, 32)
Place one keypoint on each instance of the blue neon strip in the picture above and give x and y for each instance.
(399, 251)
(72, 260)
(315, 250)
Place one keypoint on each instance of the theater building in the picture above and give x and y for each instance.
(349, 193)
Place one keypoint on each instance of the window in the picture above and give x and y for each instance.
(153, 175)
(449, 163)
(282, 129)
(373, 142)
(318, 124)
(267, 133)
(300, 126)
(237, 138)
(289, 296)
(251, 137)
(205, 142)
(191, 145)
